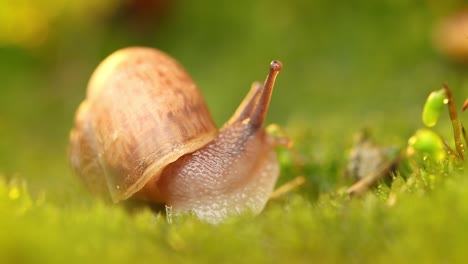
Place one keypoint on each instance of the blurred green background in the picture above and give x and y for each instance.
(347, 65)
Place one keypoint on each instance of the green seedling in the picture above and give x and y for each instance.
(433, 107)
(427, 141)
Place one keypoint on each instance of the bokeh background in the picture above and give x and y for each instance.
(348, 65)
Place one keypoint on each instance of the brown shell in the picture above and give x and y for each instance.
(142, 112)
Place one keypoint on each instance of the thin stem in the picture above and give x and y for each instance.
(454, 118)
(369, 180)
(465, 105)
(465, 137)
(287, 187)
(448, 148)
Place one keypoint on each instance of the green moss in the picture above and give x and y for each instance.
(415, 223)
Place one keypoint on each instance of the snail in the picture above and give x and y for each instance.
(144, 132)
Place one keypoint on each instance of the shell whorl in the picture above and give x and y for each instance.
(142, 112)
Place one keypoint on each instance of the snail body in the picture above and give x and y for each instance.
(144, 131)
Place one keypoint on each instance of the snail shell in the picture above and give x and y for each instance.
(149, 113)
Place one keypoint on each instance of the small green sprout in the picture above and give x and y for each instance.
(427, 144)
(433, 107)
(431, 112)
